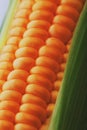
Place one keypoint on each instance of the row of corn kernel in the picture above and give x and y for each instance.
(17, 29)
(62, 20)
(37, 33)
(54, 93)
(13, 89)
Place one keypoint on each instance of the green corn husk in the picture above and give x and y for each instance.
(70, 111)
(7, 21)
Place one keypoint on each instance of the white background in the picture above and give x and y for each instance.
(3, 8)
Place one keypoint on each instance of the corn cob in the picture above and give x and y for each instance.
(36, 64)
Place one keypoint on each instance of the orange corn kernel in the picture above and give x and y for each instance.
(17, 31)
(64, 21)
(44, 71)
(11, 95)
(26, 4)
(57, 85)
(33, 42)
(22, 126)
(42, 24)
(75, 4)
(60, 32)
(28, 119)
(38, 91)
(40, 80)
(45, 5)
(24, 63)
(56, 43)
(41, 15)
(4, 74)
(48, 62)
(68, 11)
(18, 74)
(54, 95)
(33, 32)
(5, 65)
(32, 99)
(9, 57)
(19, 22)
(6, 125)
(26, 52)
(35, 110)
(22, 13)
(60, 75)
(51, 52)
(7, 115)
(9, 48)
(16, 85)
(13, 40)
(9, 105)
(50, 109)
